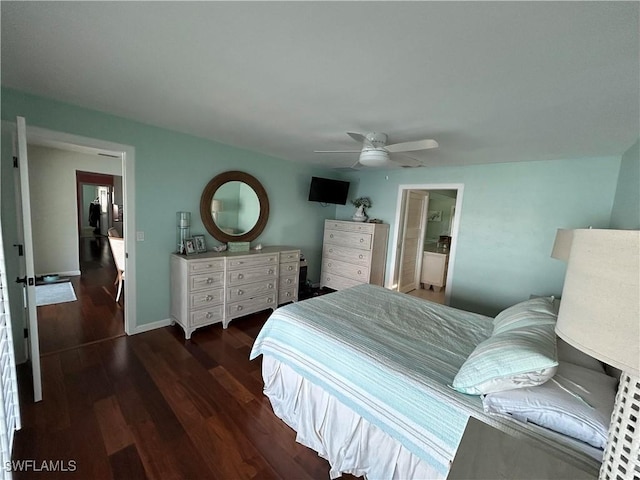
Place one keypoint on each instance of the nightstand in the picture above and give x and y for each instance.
(488, 453)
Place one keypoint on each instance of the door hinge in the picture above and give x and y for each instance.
(26, 333)
(15, 162)
(26, 280)
(20, 249)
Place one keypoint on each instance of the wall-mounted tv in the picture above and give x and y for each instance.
(326, 190)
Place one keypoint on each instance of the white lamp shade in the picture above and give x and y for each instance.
(600, 307)
(562, 244)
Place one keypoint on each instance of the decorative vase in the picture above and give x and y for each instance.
(360, 216)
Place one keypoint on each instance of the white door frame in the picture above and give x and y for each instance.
(126, 153)
(392, 283)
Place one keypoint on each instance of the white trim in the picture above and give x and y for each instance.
(454, 231)
(127, 154)
(152, 326)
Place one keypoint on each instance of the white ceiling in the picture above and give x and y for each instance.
(490, 81)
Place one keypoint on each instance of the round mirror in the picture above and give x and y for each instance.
(234, 207)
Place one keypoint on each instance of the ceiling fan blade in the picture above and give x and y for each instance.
(412, 146)
(358, 137)
(336, 151)
(406, 160)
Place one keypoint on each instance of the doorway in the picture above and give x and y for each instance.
(442, 207)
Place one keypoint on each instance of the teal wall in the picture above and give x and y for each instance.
(626, 206)
(508, 221)
(171, 170)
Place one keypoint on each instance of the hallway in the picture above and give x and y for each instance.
(95, 315)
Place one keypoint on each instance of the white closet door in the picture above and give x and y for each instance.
(412, 240)
(9, 403)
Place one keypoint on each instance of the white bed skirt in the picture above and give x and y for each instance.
(347, 441)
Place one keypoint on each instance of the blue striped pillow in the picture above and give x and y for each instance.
(536, 311)
(516, 358)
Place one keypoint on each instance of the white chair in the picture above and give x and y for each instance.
(117, 250)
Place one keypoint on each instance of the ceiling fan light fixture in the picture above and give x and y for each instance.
(374, 158)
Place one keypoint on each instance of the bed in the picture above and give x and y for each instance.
(364, 376)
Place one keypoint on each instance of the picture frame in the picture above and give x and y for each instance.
(189, 246)
(434, 215)
(200, 243)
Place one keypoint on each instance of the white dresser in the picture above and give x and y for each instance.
(353, 253)
(216, 287)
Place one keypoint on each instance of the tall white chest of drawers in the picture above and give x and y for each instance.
(216, 287)
(353, 253)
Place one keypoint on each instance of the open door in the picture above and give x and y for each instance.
(27, 273)
(412, 240)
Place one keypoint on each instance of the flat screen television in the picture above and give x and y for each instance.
(326, 190)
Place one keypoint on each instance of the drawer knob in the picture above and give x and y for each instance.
(240, 292)
(270, 271)
(240, 276)
(288, 294)
(360, 256)
(362, 240)
(331, 235)
(209, 298)
(331, 250)
(239, 307)
(290, 268)
(359, 272)
(269, 300)
(209, 315)
(270, 286)
(289, 281)
(209, 280)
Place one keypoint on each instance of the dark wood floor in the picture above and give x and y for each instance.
(95, 315)
(156, 406)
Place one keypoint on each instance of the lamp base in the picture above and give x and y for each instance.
(622, 455)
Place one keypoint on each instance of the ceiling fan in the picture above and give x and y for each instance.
(376, 153)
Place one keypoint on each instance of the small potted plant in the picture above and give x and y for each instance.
(361, 203)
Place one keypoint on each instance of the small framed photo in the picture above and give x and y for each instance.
(201, 246)
(189, 246)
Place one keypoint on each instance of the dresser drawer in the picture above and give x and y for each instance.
(289, 268)
(293, 256)
(288, 282)
(251, 261)
(336, 281)
(251, 290)
(249, 275)
(251, 305)
(208, 280)
(206, 266)
(348, 270)
(349, 226)
(208, 316)
(348, 239)
(206, 297)
(287, 295)
(345, 254)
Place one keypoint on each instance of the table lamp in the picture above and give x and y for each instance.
(600, 315)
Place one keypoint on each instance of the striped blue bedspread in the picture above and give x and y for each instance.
(389, 357)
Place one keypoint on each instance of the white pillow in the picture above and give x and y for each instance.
(532, 312)
(576, 402)
(517, 358)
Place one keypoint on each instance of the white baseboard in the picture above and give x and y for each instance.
(151, 326)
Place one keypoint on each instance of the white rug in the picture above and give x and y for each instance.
(55, 293)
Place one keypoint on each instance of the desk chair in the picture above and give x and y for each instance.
(117, 250)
